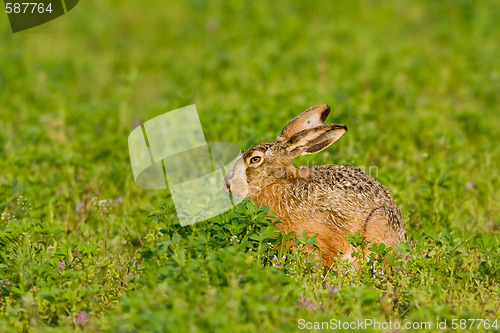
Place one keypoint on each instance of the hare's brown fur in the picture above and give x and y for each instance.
(328, 201)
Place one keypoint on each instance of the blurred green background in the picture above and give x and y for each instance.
(417, 84)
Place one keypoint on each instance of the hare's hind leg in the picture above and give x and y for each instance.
(331, 244)
(382, 227)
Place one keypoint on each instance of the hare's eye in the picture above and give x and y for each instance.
(255, 159)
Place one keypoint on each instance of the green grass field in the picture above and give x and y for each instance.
(83, 248)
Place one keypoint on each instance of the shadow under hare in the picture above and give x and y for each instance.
(328, 201)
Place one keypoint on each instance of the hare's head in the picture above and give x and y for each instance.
(260, 166)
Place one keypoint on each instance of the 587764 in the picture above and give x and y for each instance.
(27, 7)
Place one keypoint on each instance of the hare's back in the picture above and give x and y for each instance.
(348, 194)
(351, 183)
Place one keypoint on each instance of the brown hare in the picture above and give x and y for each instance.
(328, 201)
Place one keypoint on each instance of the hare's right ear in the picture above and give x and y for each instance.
(313, 117)
(314, 140)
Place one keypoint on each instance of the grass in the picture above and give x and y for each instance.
(82, 248)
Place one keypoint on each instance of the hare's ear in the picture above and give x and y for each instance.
(313, 117)
(314, 140)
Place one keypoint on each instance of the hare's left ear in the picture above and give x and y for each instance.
(313, 117)
(314, 140)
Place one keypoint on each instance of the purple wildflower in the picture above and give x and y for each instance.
(137, 122)
(82, 317)
(332, 290)
(277, 262)
(62, 264)
(80, 206)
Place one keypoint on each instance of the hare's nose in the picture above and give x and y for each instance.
(228, 188)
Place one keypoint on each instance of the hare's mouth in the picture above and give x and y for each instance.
(228, 188)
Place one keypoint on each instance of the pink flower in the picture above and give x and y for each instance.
(333, 290)
(82, 317)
